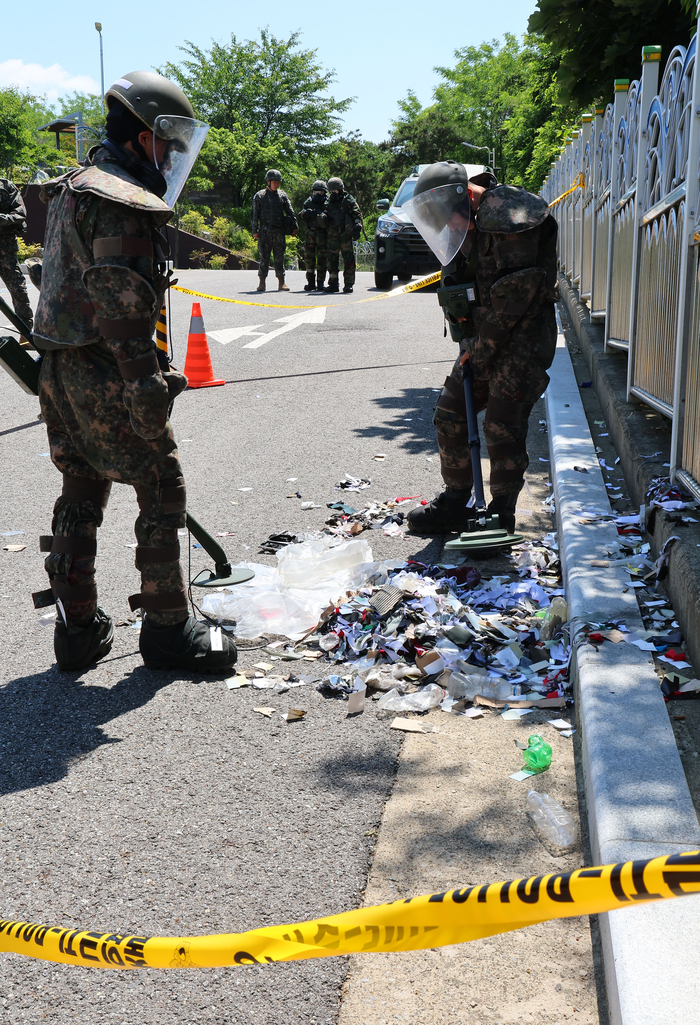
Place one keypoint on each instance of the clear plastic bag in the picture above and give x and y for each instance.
(421, 700)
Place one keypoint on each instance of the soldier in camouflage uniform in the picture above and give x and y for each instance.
(272, 218)
(313, 214)
(13, 218)
(344, 228)
(105, 390)
(508, 335)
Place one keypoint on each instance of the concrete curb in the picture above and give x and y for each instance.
(639, 805)
(636, 431)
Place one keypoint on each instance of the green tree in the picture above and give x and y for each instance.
(271, 88)
(500, 95)
(602, 40)
(16, 137)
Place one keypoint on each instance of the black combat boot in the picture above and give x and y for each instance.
(310, 285)
(347, 289)
(332, 286)
(186, 645)
(504, 506)
(319, 283)
(446, 513)
(78, 646)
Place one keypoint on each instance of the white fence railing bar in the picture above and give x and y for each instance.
(625, 192)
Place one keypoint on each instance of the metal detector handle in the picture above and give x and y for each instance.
(474, 442)
(210, 546)
(20, 325)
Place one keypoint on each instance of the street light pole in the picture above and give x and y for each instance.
(98, 26)
(491, 152)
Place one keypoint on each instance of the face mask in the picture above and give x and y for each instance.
(144, 172)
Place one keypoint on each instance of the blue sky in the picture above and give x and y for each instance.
(377, 56)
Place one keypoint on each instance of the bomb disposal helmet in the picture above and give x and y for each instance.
(440, 208)
(166, 111)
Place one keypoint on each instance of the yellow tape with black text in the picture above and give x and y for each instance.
(455, 916)
(412, 286)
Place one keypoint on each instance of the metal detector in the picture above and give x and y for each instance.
(484, 534)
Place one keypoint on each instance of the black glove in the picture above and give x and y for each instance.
(356, 233)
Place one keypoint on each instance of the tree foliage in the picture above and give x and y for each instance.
(500, 95)
(270, 88)
(602, 40)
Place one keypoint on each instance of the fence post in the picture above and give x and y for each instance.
(597, 130)
(621, 87)
(685, 277)
(648, 87)
(587, 135)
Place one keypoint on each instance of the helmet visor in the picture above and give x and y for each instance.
(442, 217)
(184, 137)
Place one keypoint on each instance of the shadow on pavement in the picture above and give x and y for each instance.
(50, 719)
(412, 424)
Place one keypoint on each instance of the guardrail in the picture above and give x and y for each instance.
(625, 192)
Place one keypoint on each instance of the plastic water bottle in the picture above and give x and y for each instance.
(556, 823)
(461, 686)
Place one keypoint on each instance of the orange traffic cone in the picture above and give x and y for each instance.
(198, 369)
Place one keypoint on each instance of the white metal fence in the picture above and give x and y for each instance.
(625, 192)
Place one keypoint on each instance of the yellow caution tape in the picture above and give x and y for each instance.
(413, 286)
(455, 916)
(578, 184)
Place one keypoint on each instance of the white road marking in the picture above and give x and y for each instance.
(313, 316)
(230, 334)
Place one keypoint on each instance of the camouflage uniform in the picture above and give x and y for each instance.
(344, 219)
(315, 238)
(273, 217)
(13, 217)
(103, 282)
(510, 337)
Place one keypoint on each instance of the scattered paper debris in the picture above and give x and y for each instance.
(13, 548)
(294, 714)
(407, 725)
(269, 712)
(235, 682)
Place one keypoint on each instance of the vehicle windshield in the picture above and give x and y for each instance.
(405, 192)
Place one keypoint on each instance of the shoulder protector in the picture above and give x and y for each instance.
(110, 181)
(509, 209)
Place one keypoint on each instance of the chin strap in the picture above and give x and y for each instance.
(139, 168)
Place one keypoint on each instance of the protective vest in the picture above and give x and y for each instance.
(511, 260)
(65, 316)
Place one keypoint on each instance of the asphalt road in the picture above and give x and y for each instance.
(160, 804)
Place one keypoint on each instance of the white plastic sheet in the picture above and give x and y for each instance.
(288, 600)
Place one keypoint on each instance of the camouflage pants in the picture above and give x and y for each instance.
(507, 390)
(93, 444)
(11, 274)
(315, 248)
(271, 240)
(340, 242)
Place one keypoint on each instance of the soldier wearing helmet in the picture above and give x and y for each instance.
(272, 219)
(13, 219)
(497, 247)
(313, 214)
(344, 228)
(105, 389)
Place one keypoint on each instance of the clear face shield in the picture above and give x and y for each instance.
(442, 217)
(176, 145)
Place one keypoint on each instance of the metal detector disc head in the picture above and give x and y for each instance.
(235, 576)
(487, 541)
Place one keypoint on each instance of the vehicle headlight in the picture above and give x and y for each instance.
(388, 226)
